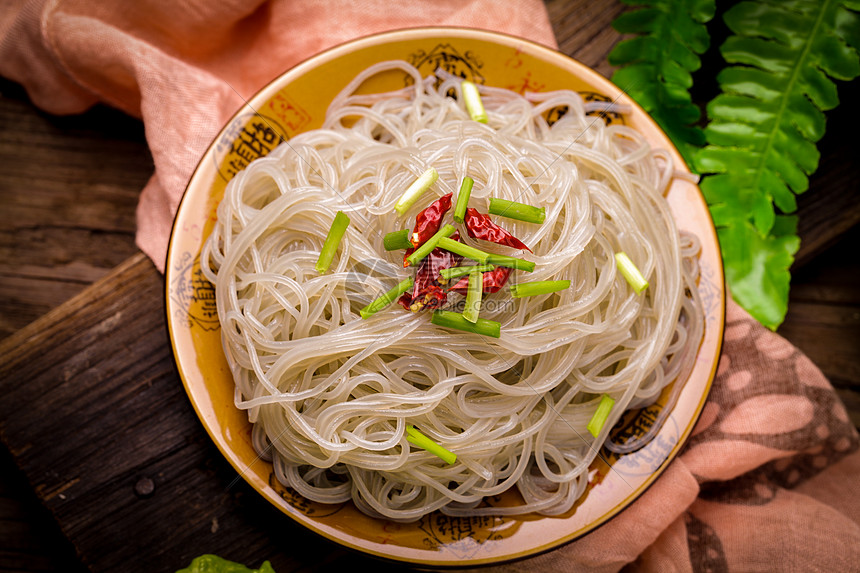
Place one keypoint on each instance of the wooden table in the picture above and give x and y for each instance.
(107, 466)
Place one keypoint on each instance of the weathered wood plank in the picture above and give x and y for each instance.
(583, 30)
(68, 190)
(830, 337)
(823, 316)
(831, 206)
(30, 541)
(104, 358)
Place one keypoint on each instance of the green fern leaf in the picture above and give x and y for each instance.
(656, 65)
(762, 132)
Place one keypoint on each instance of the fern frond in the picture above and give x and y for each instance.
(762, 132)
(656, 65)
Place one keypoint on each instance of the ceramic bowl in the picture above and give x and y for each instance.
(295, 102)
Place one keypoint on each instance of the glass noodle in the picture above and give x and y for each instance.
(331, 394)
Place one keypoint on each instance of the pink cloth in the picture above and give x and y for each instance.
(186, 66)
(768, 481)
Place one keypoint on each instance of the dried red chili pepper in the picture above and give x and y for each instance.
(406, 254)
(492, 281)
(428, 221)
(427, 291)
(405, 300)
(433, 297)
(480, 226)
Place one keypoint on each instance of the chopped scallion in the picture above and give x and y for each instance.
(387, 298)
(537, 287)
(511, 262)
(417, 438)
(416, 190)
(463, 198)
(457, 272)
(473, 296)
(472, 98)
(463, 249)
(450, 319)
(631, 273)
(600, 415)
(332, 240)
(397, 240)
(418, 254)
(518, 211)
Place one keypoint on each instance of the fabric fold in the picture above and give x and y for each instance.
(185, 67)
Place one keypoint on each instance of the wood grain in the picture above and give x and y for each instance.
(831, 206)
(105, 356)
(583, 30)
(823, 317)
(29, 538)
(69, 190)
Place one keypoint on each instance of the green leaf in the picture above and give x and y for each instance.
(758, 274)
(213, 564)
(656, 65)
(762, 135)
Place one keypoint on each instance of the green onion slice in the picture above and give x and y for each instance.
(600, 415)
(631, 273)
(332, 240)
(418, 254)
(463, 198)
(456, 320)
(518, 211)
(473, 296)
(463, 249)
(538, 287)
(472, 98)
(416, 190)
(396, 240)
(387, 298)
(417, 438)
(457, 272)
(512, 262)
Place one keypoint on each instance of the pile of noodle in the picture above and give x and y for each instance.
(330, 394)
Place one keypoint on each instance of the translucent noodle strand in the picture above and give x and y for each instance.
(330, 394)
